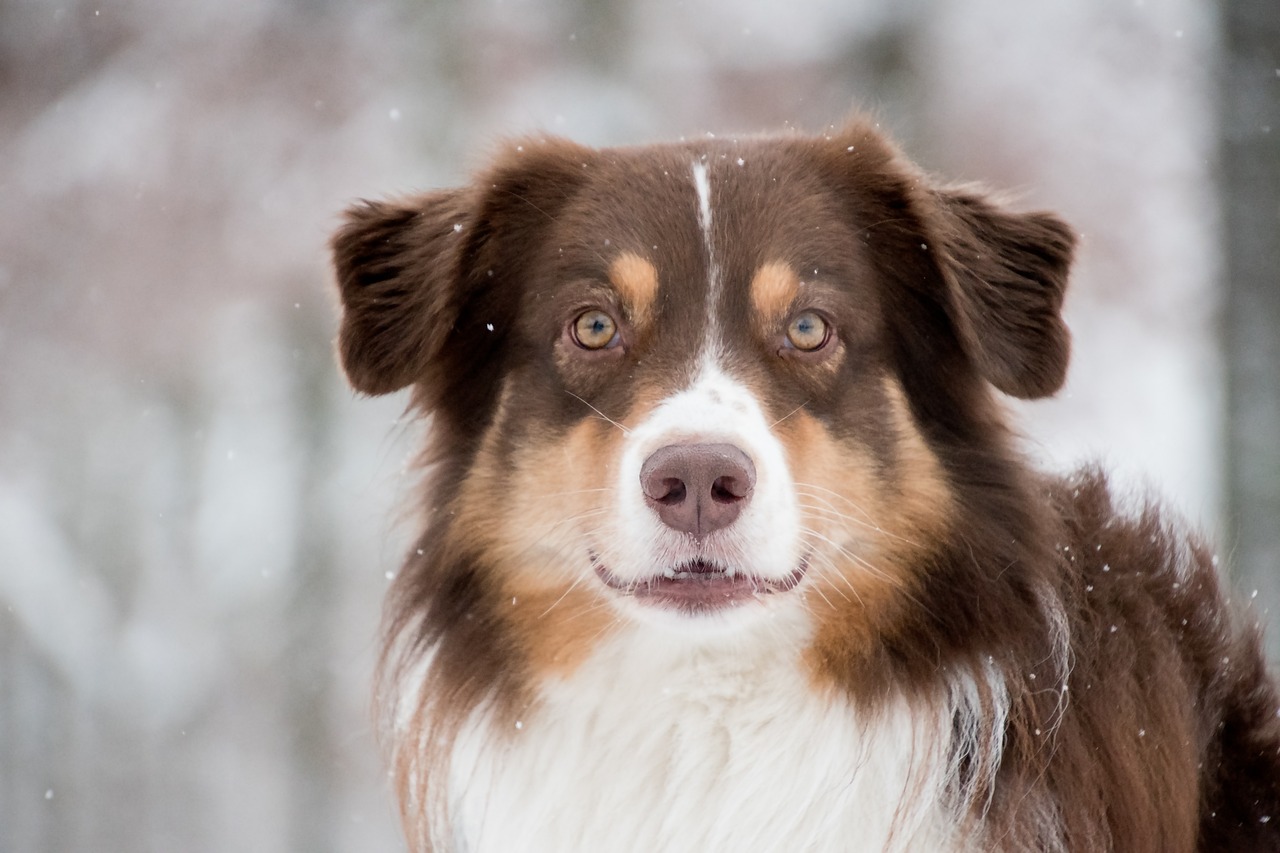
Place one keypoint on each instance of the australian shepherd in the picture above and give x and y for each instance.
(728, 545)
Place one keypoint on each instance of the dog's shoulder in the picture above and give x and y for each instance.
(1153, 623)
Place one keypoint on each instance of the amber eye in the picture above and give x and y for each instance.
(808, 332)
(594, 329)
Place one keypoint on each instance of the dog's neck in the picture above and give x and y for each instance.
(637, 747)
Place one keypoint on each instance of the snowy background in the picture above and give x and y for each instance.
(197, 519)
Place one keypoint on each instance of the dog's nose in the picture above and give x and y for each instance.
(697, 488)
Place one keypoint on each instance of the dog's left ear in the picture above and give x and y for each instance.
(1006, 274)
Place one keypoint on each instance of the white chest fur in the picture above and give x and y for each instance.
(659, 745)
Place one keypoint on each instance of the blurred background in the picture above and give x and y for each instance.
(198, 520)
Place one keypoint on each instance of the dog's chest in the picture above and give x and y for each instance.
(669, 750)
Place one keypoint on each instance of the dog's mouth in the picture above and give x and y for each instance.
(699, 586)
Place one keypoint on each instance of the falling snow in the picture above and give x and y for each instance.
(210, 511)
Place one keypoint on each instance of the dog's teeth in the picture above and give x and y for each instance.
(669, 573)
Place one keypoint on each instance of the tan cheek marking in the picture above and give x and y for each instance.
(842, 501)
(924, 499)
(773, 290)
(556, 492)
(560, 493)
(480, 498)
(529, 519)
(889, 520)
(636, 281)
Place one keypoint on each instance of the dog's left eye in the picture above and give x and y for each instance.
(594, 329)
(808, 332)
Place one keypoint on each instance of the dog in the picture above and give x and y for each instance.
(728, 544)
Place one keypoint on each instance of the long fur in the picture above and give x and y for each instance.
(977, 656)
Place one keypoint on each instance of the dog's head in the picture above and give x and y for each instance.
(702, 382)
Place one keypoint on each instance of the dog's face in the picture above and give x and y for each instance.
(706, 383)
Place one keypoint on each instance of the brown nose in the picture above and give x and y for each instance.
(697, 488)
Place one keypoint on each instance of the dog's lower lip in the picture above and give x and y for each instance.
(699, 586)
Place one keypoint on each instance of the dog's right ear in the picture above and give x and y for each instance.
(414, 274)
(397, 265)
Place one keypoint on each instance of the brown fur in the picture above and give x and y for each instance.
(1141, 716)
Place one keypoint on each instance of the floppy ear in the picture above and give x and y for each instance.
(397, 265)
(422, 272)
(1006, 274)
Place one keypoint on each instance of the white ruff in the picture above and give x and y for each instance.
(660, 743)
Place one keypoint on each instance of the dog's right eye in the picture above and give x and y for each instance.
(808, 332)
(594, 330)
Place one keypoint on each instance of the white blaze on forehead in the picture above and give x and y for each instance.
(702, 185)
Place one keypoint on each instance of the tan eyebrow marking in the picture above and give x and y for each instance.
(773, 290)
(636, 281)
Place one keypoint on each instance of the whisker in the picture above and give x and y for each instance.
(856, 559)
(828, 512)
(577, 492)
(788, 414)
(817, 589)
(869, 523)
(600, 413)
(562, 528)
(893, 580)
(562, 597)
(843, 498)
(834, 569)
